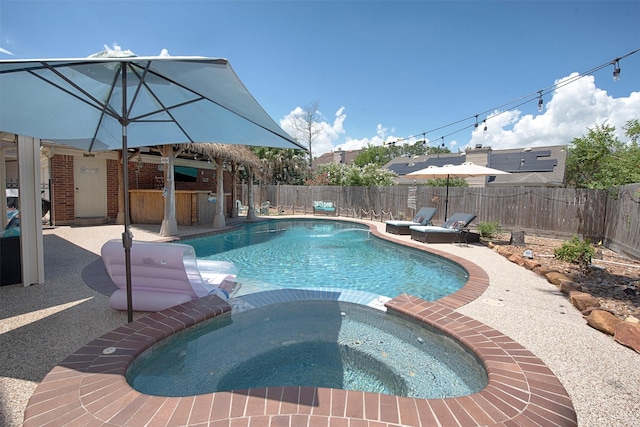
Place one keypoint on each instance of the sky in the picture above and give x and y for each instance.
(380, 71)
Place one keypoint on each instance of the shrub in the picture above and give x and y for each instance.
(575, 251)
(488, 229)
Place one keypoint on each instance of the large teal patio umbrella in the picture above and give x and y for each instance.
(107, 103)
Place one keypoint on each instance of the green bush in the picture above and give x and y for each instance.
(488, 229)
(576, 251)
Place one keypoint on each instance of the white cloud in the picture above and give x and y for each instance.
(567, 114)
(571, 110)
(5, 51)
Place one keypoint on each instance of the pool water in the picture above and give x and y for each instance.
(306, 253)
(316, 343)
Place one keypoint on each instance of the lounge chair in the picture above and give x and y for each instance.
(454, 229)
(164, 275)
(423, 217)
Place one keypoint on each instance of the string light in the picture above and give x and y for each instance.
(540, 101)
(616, 70)
(528, 98)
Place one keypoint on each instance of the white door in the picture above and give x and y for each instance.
(90, 175)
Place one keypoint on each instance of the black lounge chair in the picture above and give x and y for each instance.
(454, 230)
(423, 217)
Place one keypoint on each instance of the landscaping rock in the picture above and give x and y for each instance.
(502, 250)
(531, 264)
(517, 259)
(543, 271)
(628, 334)
(583, 300)
(632, 319)
(567, 286)
(556, 277)
(603, 321)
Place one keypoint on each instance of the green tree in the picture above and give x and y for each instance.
(442, 182)
(380, 155)
(284, 165)
(598, 160)
(632, 129)
(373, 154)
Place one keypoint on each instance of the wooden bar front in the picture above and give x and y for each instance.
(192, 207)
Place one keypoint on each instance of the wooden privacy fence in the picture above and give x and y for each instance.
(613, 218)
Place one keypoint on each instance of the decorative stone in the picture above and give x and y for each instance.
(502, 250)
(603, 321)
(517, 238)
(543, 271)
(628, 334)
(517, 259)
(531, 264)
(632, 319)
(528, 254)
(583, 300)
(567, 286)
(556, 277)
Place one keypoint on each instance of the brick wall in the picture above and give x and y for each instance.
(64, 208)
(112, 189)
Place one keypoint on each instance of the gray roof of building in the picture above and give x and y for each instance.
(534, 166)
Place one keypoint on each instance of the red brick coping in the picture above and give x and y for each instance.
(89, 388)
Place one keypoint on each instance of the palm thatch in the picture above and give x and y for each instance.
(239, 154)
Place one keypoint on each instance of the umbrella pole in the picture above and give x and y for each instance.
(127, 238)
(446, 200)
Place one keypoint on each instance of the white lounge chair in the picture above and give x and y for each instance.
(164, 275)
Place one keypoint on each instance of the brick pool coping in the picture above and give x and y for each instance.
(89, 386)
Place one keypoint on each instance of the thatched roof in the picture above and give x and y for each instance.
(239, 154)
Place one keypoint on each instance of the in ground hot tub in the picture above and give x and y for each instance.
(318, 343)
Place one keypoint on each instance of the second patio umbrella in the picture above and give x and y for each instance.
(464, 170)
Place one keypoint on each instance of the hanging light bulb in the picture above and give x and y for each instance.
(540, 101)
(475, 126)
(616, 70)
(442, 138)
(485, 126)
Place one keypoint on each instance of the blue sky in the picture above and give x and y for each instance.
(379, 70)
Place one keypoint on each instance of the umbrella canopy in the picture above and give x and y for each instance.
(464, 170)
(104, 103)
(86, 103)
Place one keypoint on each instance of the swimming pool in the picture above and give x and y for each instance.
(279, 254)
(314, 343)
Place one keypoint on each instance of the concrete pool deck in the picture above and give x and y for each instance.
(37, 322)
